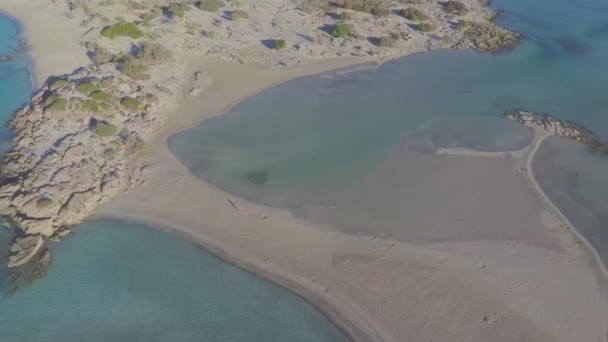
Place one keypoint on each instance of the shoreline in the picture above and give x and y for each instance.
(355, 329)
(53, 52)
(589, 248)
(31, 63)
(362, 326)
(163, 159)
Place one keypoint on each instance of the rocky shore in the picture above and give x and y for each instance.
(76, 144)
(565, 128)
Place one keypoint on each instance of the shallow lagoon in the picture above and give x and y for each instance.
(331, 147)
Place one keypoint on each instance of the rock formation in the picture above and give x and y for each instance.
(73, 145)
(556, 126)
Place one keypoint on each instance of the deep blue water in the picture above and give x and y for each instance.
(115, 281)
(323, 133)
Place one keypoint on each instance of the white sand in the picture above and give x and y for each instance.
(52, 38)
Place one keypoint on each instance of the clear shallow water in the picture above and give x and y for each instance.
(124, 282)
(317, 139)
(15, 86)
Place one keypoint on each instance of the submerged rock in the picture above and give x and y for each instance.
(556, 126)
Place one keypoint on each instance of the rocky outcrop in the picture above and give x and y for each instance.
(484, 37)
(73, 147)
(556, 126)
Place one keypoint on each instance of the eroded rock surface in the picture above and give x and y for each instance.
(73, 145)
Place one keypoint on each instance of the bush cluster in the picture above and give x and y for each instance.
(210, 5)
(104, 129)
(279, 44)
(122, 30)
(86, 88)
(238, 15)
(413, 14)
(368, 6)
(426, 27)
(342, 30)
(456, 7)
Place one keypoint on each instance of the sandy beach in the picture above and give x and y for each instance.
(510, 284)
(52, 39)
(373, 289)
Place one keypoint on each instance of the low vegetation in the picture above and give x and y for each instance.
(386, 41)
(58, 84)
(238, 15)
(177, 9)
(86, 88)
(133, 68)
(130, 103)
(342, 30)
(426, 27)
(279, 44)
(104, 129)
(153, 53)
(413, 14)
(56, 104)
(374, 7)
(456, 7)
(122, 30)
(102, 96)
(90, 106)
(210, 5)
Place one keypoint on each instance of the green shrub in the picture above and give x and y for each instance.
(456, 7)
(210, 5)
(344, 16)
(178, 9)
(130, 103)
(86, 88)
(413, 14)
(135, 69)
(358, 5)
(56, 104)
(238, 15)
(102, 96)
(279, 44)
(90, 106)
(381, 11)
(153, 53)
(154, 13)
(426, 27)
(386, 41)
(58, 84)
(342, 30)
(43, 202)
(122, 30)
(104, 129)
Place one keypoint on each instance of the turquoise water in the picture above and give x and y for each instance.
(116, 281)
(315, 139)
(15, 86)
(313, 132)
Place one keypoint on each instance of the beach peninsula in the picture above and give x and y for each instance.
(123, 75)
